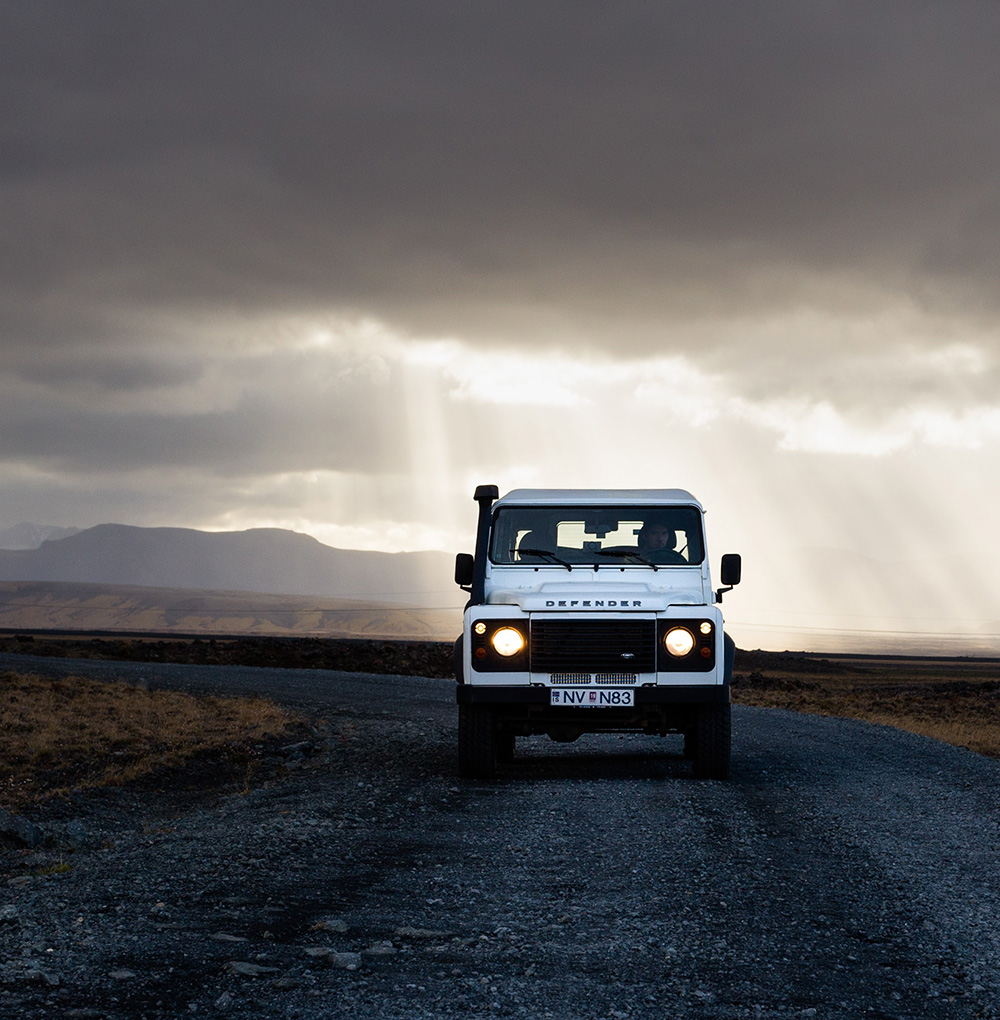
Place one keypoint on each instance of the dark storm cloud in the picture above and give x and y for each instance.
(508, 171)
(102, 372)
(276, 415)
(245, 440)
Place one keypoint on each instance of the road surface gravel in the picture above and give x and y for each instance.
(846, 870)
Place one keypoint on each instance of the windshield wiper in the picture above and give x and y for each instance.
(624, 554)
(548, 554)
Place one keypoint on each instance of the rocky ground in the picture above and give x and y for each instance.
(846, 870)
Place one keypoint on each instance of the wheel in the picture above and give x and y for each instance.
(477, 742)
(505, 747)
(713, 730)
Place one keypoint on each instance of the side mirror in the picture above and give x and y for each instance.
(732, 566)
(464, 567)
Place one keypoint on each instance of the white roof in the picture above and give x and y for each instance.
(600, 497)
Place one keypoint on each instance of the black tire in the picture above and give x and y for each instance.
(477, 742)
(712, 743)
(505, 747)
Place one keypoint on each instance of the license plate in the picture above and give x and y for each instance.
(577, 697)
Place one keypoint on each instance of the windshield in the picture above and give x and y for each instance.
(597, 536)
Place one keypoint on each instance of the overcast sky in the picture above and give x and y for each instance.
(329, 266)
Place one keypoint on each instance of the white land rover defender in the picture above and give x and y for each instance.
(592, 611)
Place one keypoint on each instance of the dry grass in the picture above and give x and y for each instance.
(72, 733)
(956, 701)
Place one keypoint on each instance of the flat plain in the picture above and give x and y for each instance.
(956, 700)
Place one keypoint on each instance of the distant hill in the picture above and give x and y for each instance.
(31, 536)
(267, 560)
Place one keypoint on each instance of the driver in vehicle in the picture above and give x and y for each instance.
(657, 543)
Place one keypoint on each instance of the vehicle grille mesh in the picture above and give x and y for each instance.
(610, 679)
(566, 646)
(571, 678)
(624, 679)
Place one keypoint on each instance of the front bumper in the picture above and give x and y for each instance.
(538, 696)
(526, 710)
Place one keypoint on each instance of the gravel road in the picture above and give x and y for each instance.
(846, 870)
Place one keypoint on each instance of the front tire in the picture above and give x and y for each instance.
(712, 743)
(477, 742)
(505, 747)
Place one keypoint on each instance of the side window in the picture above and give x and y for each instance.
(503, 538)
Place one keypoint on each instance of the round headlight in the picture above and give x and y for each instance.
(679, 642)
(507, 641)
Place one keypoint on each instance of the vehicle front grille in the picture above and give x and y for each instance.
(593, 646)
(608, 679)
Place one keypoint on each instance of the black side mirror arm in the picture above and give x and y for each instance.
(464, 571)
(732, 570)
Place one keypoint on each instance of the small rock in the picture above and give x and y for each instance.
(122, 975)
(345, 961)
(243, 969)
(224, 1001)
(384, 948)
(421, 933)
(286, 984)
(76, 834)
(20, 830)
(72, 835)
(223, 937)
(337, 924)
(318, 952)
(8, 914)
(43, 977)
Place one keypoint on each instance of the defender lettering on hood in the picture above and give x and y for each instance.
(595, 603)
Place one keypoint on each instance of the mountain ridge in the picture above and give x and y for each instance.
(26, 535)
(265, 560)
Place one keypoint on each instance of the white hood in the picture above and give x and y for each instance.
(621, 597)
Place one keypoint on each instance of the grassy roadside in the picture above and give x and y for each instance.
(78, 734)
(957, 702)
